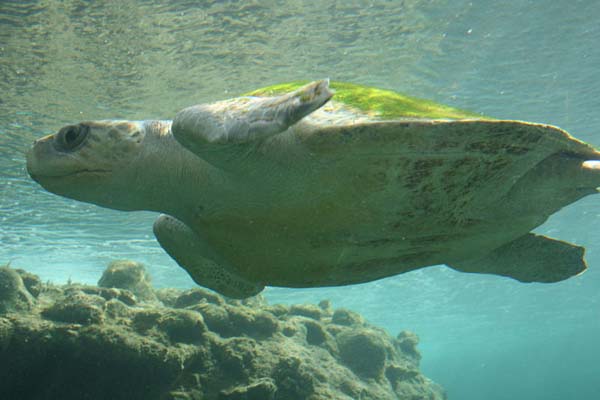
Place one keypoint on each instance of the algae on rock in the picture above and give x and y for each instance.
(133, 342)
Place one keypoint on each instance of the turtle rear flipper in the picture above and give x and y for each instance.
(530, 258)
(195, 256)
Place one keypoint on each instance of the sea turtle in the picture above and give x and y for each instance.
(297, 185)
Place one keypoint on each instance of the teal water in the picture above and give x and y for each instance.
(482, 337)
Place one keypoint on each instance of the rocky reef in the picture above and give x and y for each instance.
(123, 339)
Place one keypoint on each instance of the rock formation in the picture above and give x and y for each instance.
(125, 340)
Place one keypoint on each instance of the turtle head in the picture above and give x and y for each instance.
(90, 161)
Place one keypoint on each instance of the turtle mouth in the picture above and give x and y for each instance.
(87, 172)
(73, 174)
(42, 165)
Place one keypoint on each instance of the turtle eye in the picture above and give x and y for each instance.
(70, 137)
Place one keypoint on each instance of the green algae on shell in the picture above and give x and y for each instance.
(377, 103)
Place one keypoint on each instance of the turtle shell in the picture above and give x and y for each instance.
(396, 183)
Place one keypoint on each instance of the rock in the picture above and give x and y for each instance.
(263, 389)
(229, 320)
(216, 318)
(289, 330)
(395, 373)
(128, 275)
(315, 333)
(197, 295)
(180, 326)
(306, 310)
(278, 310)
(256, 301)
(363, 351)
(122, 295)
(14, 297)
(325, 305)
(407, 343)
(115, 308)
(265, 325)
(183, 326)
(5, 333)
(294, 379)
(32, 282)
(236, 357)
(247, 321)
(78, 341)
(77, 308)
(167, 296)
(341, 316)
(334, 329)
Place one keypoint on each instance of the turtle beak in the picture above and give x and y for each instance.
(38, 152)
(45, 163)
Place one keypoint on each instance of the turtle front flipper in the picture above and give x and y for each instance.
(206, 128)
(530, 258)
(195, 256)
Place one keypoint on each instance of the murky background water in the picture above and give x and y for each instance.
(482, 337)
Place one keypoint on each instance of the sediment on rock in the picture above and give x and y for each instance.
(129, 341)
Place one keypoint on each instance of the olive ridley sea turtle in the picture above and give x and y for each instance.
(297, 185)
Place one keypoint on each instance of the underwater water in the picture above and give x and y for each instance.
(482, 337)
